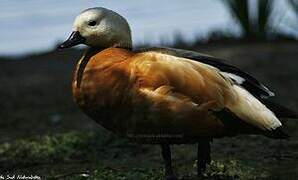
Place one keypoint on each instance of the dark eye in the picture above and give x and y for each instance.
(92, 23)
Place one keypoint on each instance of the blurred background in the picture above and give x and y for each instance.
(43, 133)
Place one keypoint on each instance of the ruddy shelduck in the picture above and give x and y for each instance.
(162, 95)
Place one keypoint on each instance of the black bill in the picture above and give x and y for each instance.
(74, 39)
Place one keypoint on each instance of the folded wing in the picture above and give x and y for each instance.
(208, 87)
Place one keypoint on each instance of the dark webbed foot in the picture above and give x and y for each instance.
(204, 157)
(166, 154)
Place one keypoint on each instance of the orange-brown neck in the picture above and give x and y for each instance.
(98, 59)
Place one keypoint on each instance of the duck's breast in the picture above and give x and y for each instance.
(101, 87)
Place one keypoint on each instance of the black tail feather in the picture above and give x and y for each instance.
(277, 133)
(279, 110)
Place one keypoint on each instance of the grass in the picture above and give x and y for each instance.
(66, 147)
(101, 155)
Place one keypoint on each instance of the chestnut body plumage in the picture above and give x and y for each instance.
(155, 97)
(142, 96)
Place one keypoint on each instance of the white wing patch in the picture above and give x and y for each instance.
(252, 111)
(240, 81)
(269, 92)
(237, 79)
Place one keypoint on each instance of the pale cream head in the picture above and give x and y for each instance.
(103, 28)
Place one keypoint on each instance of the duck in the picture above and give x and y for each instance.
(165, 96)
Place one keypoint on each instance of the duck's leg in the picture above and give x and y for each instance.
(204, 157)
(166, 154)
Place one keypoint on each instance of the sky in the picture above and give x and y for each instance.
(33, 25)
